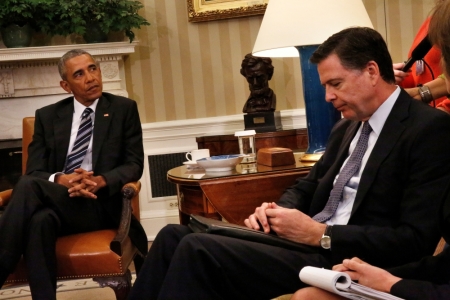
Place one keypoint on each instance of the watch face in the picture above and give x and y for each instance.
(325, 242)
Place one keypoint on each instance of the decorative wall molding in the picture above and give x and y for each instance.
(55, 52)
(6, 83)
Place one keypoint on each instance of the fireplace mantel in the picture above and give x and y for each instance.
(29, 79)
(55, 52)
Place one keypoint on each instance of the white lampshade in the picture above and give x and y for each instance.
(289, 23)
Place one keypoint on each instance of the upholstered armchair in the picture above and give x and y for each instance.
(103, 255)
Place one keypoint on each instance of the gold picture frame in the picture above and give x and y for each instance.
(208, 10)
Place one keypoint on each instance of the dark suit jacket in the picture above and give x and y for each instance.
(117, 150)
(428, 278)
(394, 216)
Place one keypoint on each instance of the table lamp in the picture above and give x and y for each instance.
(295, 28)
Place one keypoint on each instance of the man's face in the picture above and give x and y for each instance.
(350, 91)
(84, 79)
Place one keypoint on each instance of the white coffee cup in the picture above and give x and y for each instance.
(197, 154)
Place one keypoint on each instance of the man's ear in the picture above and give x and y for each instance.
(373, 71)
(65, 86)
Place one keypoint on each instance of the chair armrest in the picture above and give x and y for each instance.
(440, 246)
(129, 191)
(4, 197)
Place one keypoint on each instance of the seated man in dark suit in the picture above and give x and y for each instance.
(370, 195)
(428, 278)
(84, 149)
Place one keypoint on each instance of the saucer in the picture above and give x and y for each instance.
(218, 173)
(191, 164)
(220, 163)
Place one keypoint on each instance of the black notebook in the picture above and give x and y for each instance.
(201, 224)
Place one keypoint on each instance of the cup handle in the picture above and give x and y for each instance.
(187, 156)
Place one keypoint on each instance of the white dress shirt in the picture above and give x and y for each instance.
(79, 108)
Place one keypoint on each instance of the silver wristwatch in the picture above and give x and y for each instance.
(325, 241)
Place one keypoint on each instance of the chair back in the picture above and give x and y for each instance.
(27, 136)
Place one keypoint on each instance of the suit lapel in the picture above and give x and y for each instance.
(62, 126)
(391, 132)
(103, 117)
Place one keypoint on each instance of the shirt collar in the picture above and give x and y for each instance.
(78, 108)
(378, 119)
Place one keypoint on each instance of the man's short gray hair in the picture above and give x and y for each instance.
(70, 54)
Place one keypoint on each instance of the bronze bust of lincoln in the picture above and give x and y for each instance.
(258, 71)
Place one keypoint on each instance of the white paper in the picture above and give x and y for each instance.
(341, 284)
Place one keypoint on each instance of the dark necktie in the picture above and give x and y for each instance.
(76, 156)
(351, 167)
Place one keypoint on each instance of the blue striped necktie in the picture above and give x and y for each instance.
(76, 156)
(351, 167)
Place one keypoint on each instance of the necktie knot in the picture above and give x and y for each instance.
(86, 113)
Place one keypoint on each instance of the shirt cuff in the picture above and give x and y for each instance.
(52, 177)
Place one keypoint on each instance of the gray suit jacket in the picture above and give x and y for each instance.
(394, 216)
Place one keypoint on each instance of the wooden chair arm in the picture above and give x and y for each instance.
(4, 197)
(440, 246)
(128, 193)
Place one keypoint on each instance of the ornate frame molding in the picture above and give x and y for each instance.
(208, 10)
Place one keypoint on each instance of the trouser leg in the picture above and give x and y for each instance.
(206, 266)
(152, 273)
(40, 256)
(25, 201)
(30, 196)
(3, 275)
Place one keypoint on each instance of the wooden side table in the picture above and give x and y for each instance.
(295, 139)
(233, 196)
